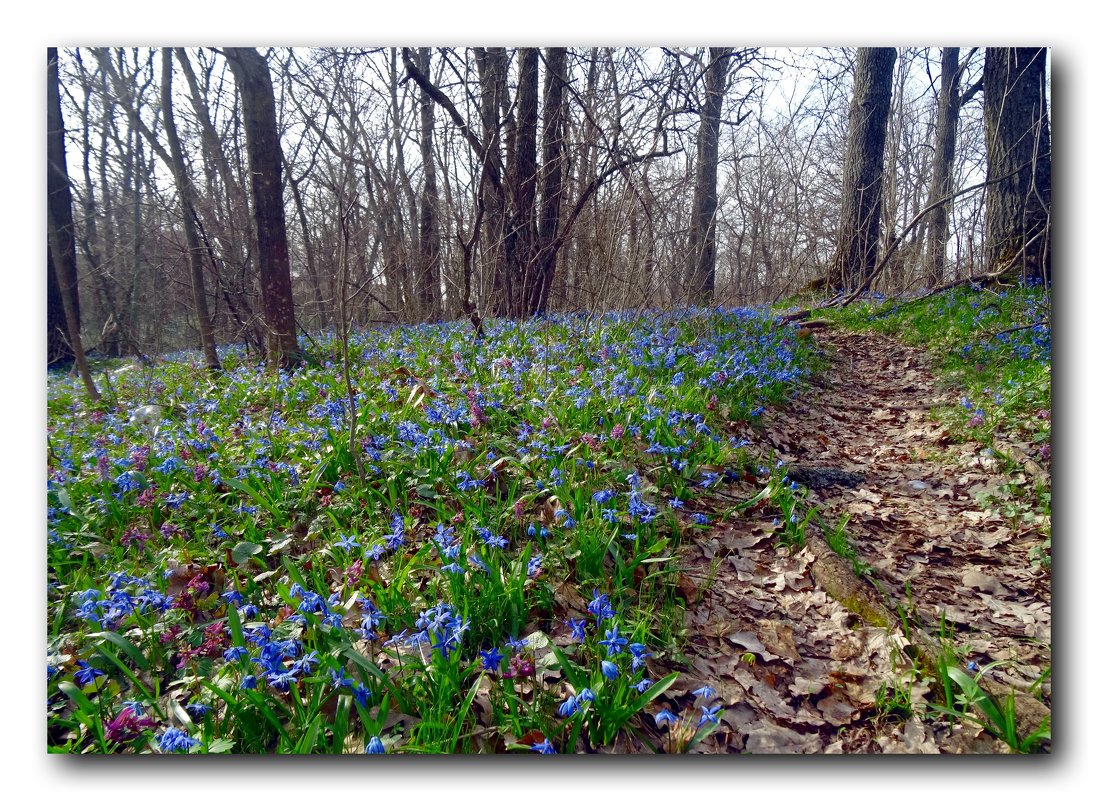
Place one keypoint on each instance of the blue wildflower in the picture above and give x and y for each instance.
(544, 747)
(174, 741)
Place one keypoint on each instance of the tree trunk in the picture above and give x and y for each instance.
(310, 257)
(491, 71)
(253, 81)
(230, 223)
(552, 166)
(61, 249)
(429, 261)
(187, 202)
(701, 245)
(58, 350)
(941, 178)
(1019, 151)
(860, 211)
(521, 234)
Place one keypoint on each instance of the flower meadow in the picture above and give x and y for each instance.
(455, 542)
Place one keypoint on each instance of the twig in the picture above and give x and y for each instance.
(1011, 330)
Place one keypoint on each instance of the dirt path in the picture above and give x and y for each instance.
(818, 672)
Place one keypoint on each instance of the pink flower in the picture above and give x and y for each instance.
(127, 726)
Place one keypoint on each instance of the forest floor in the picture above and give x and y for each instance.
(800, 672)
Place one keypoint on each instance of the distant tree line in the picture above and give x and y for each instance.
(201, 196)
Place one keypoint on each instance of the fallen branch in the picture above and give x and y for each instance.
(834, 576)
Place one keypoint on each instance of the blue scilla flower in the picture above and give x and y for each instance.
(709, 715)
(544, 747)
(169, 465)
(127, 482)
(576, 627)
(375, 746)
(491, 659)
(174, 741)
(600, 607)
(569, 707)
(666, 716)
(613, 641)
(87, 674)
(235, 654)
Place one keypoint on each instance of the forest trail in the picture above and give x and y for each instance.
(819, 673)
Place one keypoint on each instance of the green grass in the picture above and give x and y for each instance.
(229, 572)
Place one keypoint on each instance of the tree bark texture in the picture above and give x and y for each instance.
(1016, 127)
(491, 71)
(941, 178)
(552, 184)
(701, 245)
(860, 210)
(429, 257)
(253, 81)
(521, 235)
(61, 251)
(58, 350)
(187, 202)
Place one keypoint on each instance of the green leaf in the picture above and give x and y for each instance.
(650, 694)
(255, 495)
(235, 629)
(124, 645)
(341, 723)
(308, 739)
(118, 663)
(220, 746)
(243, 551)
(83, 703)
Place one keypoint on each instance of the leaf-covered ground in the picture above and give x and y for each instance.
(802, 673)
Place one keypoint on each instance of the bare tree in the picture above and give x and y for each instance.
(61, 253)
(187, 202)
(702, 245)
(1019, 152)
(253, 81)
(860, 213)
(950, 100)
(429, 258)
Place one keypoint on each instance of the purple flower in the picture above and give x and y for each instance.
(544, 747)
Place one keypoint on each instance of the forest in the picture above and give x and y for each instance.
(554, 399)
